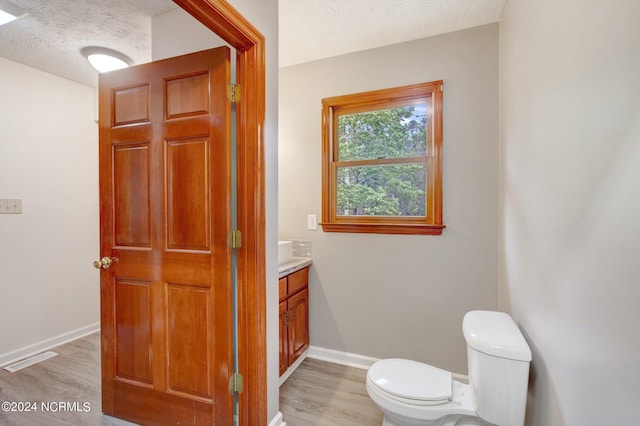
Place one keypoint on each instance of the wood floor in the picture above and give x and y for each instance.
(71, 377)
(318, 393)
(321, 393)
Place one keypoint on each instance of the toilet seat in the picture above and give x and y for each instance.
(411, 382)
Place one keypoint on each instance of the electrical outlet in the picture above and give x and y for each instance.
(312, 222)
(10, 206)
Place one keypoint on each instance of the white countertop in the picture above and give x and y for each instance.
(293, 265)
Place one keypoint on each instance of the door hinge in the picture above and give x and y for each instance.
(235, 383)
(235, 239)
(233, 92)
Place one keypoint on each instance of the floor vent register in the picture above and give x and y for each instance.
(27, 362)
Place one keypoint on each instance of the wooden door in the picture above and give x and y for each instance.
(164, 221)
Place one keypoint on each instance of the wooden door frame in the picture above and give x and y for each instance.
(221, 18)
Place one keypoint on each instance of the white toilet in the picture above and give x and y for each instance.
(411, 393)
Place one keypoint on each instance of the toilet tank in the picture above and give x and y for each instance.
(498, 359)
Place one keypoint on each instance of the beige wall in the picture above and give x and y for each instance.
(193, 35)
(570, 204)
(386, 295)
(49, 159)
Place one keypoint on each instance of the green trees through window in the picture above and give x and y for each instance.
(386, 189)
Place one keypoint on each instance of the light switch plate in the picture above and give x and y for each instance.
(312, 222)
(10, 206)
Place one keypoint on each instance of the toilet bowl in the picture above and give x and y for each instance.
(411, 393)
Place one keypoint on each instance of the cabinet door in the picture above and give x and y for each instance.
(284, 340)
(282, 288)
(298, 324)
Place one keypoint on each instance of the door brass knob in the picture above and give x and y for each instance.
(104, 263)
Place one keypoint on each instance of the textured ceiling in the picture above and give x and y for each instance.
(51, 35)
(311, 30)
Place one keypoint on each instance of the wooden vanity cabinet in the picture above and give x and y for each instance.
(294, 317)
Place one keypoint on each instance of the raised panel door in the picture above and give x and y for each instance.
(165, 217)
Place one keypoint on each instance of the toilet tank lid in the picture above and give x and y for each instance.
(495, 333)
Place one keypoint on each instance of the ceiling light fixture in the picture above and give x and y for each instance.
(105, 60)
(9, 13)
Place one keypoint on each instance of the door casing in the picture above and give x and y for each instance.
(225, 21)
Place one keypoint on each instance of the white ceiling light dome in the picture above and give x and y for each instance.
(9, 12)
(104, 59)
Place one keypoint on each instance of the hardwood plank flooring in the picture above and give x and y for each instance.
(321, 393)
(71, 377)
(318, 393)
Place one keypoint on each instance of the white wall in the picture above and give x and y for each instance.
(193, 36)
(49, 159)
(264, 16)
(570, 204)
(390, 295)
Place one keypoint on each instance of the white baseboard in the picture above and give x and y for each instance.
(356, 360)
(460, 378)
(339, 357)
(45, 345)
(277, 420)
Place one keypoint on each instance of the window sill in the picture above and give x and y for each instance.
(368, 228)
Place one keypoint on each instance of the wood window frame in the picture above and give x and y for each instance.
(431, 223)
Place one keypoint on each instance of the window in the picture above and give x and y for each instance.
(382, 161)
